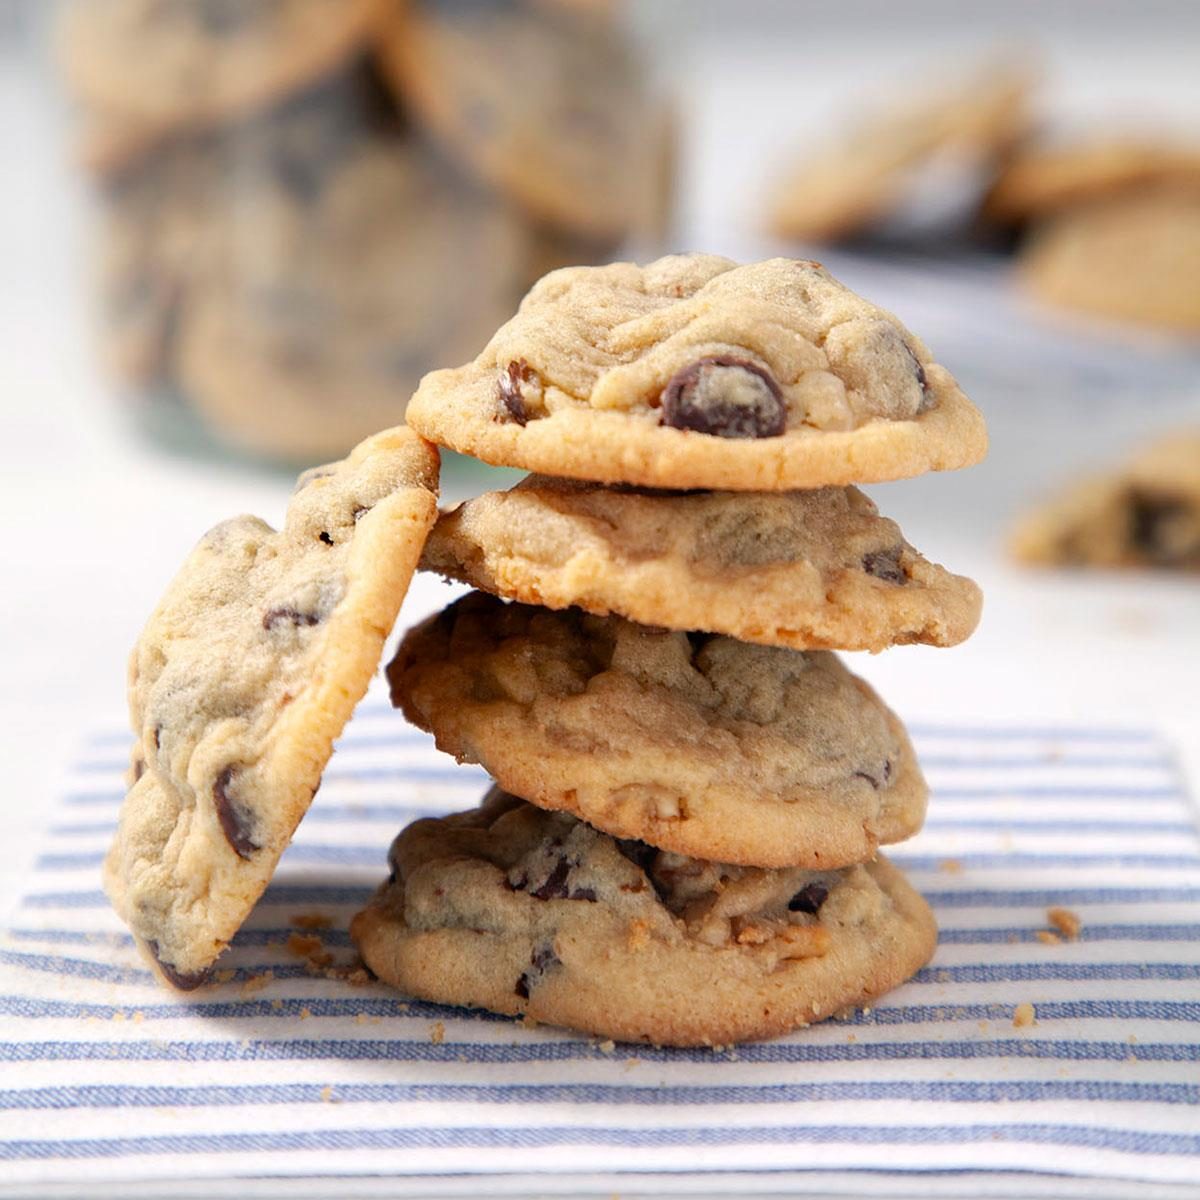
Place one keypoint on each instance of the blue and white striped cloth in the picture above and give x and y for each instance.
(107, 1079)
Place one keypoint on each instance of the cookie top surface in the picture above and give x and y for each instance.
(1042, 179)
(549, 107)
(695, 372)
(862, 176)
(1134, 257)
(816, 569)
(242, 678)
(147, 66)
(696, 743)
(1143, 514)
(522, 911)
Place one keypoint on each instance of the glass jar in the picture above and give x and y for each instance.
(306, 204)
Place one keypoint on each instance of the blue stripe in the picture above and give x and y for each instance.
(1046, 897)
(33, 1008)
(1012, 762)
(243, 937)
(989, 972)
(546, 1050)
(990, 935)
(932, 1091)
(315, 894)
(376, 855)
(1093, 825)
(336, 894)
(530, 1138)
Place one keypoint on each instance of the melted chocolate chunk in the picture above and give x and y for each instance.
(556, 885)
(326, 537)
(542, 960)
(644, 857)
(182, 980)
(726, 397)
(288, 616)
(1158, 528)
(809, 899)
(508, 391)
(236, 821)
(885, 565)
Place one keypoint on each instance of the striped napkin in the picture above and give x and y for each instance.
(293, 1082)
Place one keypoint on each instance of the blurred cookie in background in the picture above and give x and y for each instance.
(297, 220)
(868, 173)
(1045, 178)
(144, 69)
(545, 104)
(340, 289)
(1145, 514)
(1133, 258)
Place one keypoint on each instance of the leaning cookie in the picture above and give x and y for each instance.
(1145, 514)
(520, 911)
(693, 372)
(241, 680)
(696, 743)
(811, 570)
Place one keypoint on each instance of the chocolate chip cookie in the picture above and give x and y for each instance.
(241, 680)
(811, 570)
(1044, 179)
(1145, 514)
(695, 743)
(1135, 258)
(693, 372)
(142, 68)
(547, 106)
(348, 277)
(521, 911)
(866, 175)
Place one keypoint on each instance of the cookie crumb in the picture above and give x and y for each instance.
(256, 983)
(851, 1038)
(359, 977)
(951, 866)
(1024, 1015)
(437, 1035)
(311, 921)
(310, 948)
(327, 1094)
(1047, 938)
(1132, 1039)
(607, 1046)
(277, 1005)
(360, 1018)
(118, 1016)
(305, 1013)
(983, 1027)
(138, 1017)
(1066, 922)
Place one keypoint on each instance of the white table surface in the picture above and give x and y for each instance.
(99, 519)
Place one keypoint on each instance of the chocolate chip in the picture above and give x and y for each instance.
(643, 857)
(236, 821)
(508, 391)
(809, 899)
(877, 781)
(542, 960)
(885, 565)
(183, 980)
(326, 538)
(288, 616)
(155, 735)
(724, 396)
(1159, 529)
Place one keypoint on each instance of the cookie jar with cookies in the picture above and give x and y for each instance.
(303, 205)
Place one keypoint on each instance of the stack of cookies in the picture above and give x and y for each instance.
(691, 788)
(306, 204)
(681, 846)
